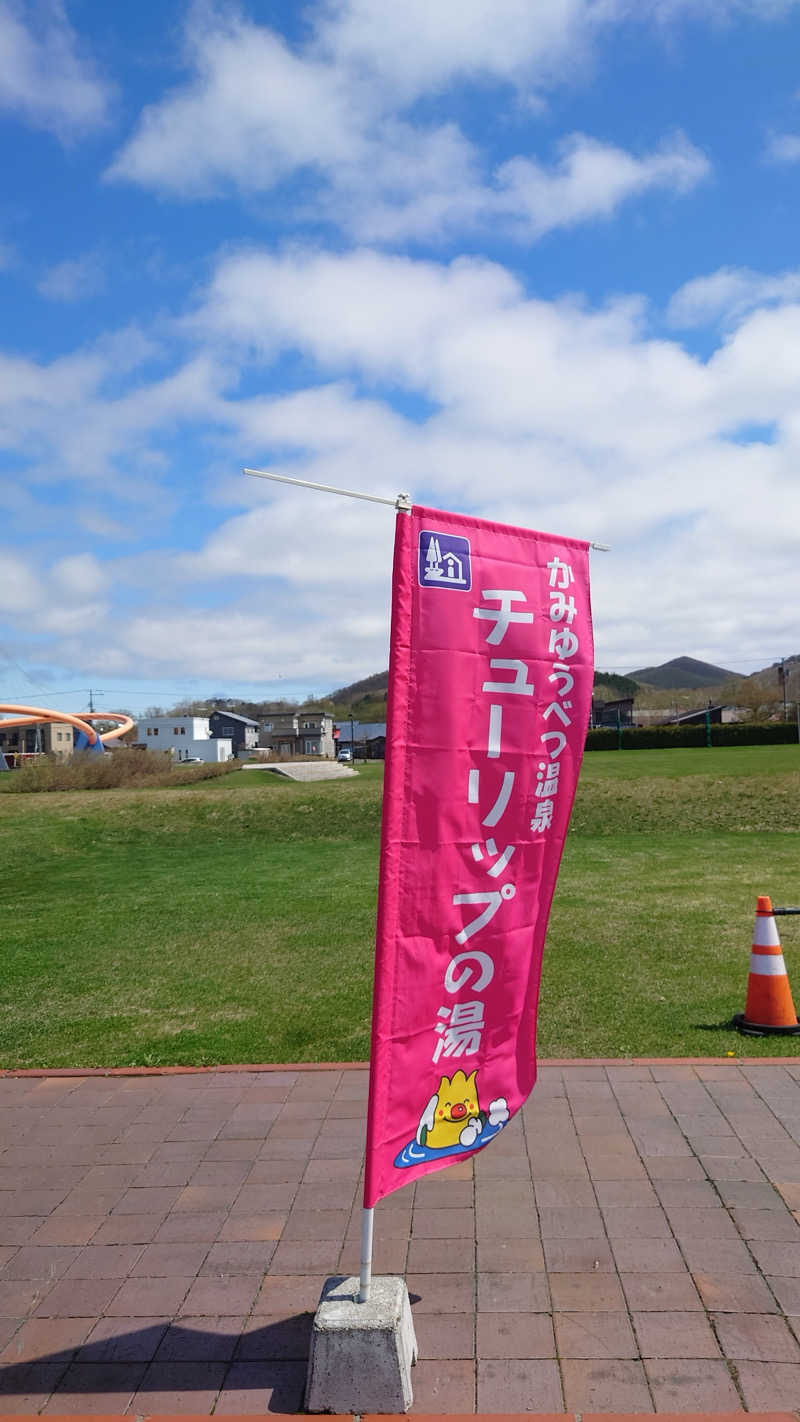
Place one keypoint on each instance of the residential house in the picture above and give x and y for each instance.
(724, 715)
(613, 713)
(184, 737)
(701, 717)
(240, 730)
(48, 738)
(304, 732)
(366, 739)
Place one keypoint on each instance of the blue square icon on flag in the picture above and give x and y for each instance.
(444, 561)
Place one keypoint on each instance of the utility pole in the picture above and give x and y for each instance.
(782, 676)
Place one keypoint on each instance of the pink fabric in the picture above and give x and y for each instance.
(489, 698)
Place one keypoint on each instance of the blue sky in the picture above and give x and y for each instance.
(534, 261)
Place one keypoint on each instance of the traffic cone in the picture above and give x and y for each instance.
(769, 1007)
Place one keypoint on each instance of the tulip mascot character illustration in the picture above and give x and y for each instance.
(453, 1116)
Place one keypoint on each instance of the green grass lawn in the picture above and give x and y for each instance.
(677, 763)
(233, 920)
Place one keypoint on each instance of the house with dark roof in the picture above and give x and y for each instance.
(700, 717)
(612, 713)
(366, 739)
(239, 730)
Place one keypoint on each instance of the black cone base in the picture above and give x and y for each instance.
(755, 1029)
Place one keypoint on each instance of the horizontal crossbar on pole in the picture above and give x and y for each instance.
(402, 501)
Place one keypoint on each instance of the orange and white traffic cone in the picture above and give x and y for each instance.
(769, 1007)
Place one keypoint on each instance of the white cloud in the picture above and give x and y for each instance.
(544, 413)
(21, 590)
(729, 294)
(498, 364)
(61, 416)
(462, 335)
(424, 186)
(253, 109)
(409, 183)
(56, 601)
(254, 112)
(417, 47)
(552, 414)
(26, 386)
(383, 313)
(44, 77)
(247, 645)
(266, 543)
(96, 522)
(80, 576)
(784, 148)
(752, 382)
(593, 179)
(713, 11)
(73, 279)
(72, 619)
(321, 418)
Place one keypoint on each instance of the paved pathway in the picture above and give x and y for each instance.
(306, 770)
(630, 1243)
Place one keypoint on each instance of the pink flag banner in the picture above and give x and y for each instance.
(489, 696)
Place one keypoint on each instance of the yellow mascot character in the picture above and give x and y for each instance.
(453, 1116)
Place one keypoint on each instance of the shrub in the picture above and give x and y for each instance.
(135, 769)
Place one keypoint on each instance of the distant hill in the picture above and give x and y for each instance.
(613, 686)
(768, 676)
(367, 689)
(682, 684)
(683, 673)
(365, 699)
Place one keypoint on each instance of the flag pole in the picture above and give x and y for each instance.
(402, 501)
(365, 1280)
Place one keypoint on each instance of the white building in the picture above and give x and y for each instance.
(185, 737)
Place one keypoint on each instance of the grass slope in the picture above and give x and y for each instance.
(233, 920)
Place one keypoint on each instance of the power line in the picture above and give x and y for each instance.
(113, 691)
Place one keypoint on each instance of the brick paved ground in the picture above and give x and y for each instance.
(629, 1244)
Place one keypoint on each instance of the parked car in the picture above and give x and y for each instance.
(345, 754)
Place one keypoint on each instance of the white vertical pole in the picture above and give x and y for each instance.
(366, 1255)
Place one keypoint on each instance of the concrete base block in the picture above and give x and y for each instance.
(361, 1354)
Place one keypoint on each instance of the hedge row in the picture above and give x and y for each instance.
(740, 733)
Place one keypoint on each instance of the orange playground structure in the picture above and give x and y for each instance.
(87, 738)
